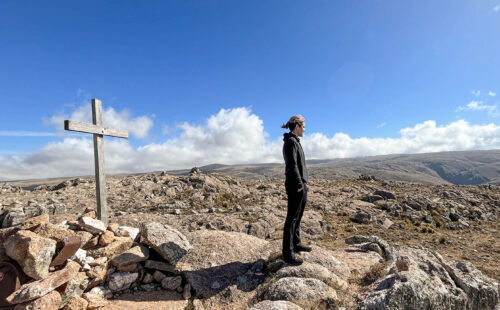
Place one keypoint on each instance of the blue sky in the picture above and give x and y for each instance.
(359, 71)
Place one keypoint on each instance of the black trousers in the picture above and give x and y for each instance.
(296, 205)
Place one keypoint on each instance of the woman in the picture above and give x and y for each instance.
(296, 188)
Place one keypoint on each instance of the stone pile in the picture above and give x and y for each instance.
(79, 264)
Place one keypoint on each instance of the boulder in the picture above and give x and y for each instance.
(157, 265)
(32, 252)
(51, 301)
(307, 293)
(275, 305)
(167, 241)
(420, 279)
(221, 259)
(37, 289)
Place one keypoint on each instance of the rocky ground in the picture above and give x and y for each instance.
(213, 242)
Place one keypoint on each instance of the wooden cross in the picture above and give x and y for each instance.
(99, 132)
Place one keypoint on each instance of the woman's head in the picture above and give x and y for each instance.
(296, 124)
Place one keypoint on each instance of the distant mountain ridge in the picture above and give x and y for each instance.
(463, 167)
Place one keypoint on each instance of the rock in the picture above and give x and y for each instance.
(420, 279)
(99, 261)
(13, 217)
(221, 259)
(51, 301)
(85, 236)
(171, 283)
(387, 223)
(385, 194)
(121, 280)
(327, 259)
(158, 276)
(148, 278)
(76, 303)
(157, 265)
(37, 289)
(92, 225)
(103, 291)
(97, 274)
(35, 221)
(95, 301)
(357, 239)
(126, 231)
(307, 293)
(275, 305)
(32, 252)
(106, 238)
(80, 257)
(311, 270)
(118, 246)
(114, 228)
(362, 217)
(186, 292)
(167, 241)
(53, 232)
(482, 291)
(74, 287)
(134, 255)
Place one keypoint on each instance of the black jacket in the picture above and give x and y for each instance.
(295, 161)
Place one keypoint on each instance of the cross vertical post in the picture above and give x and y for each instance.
(100, 177)
(98, 131)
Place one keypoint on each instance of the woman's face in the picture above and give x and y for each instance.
(300, 129)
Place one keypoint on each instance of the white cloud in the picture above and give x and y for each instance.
(496, 8)
(381, 125)
(236, 136)
(138, 126)
(476, 92)
(479, 106)
(492, 94)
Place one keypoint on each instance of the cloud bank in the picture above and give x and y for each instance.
(138, 126)
(232, 136)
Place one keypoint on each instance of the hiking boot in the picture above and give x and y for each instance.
(302, 248)
(293, 260)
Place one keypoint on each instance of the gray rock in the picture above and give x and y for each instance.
(421, 279)
(275, 305)
(362, 217)
(121, 280)
(171, 283)
(385, 194)
(308, 293)
(12, 217)
(167, 241)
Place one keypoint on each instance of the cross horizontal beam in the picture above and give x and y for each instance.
(95, 129)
